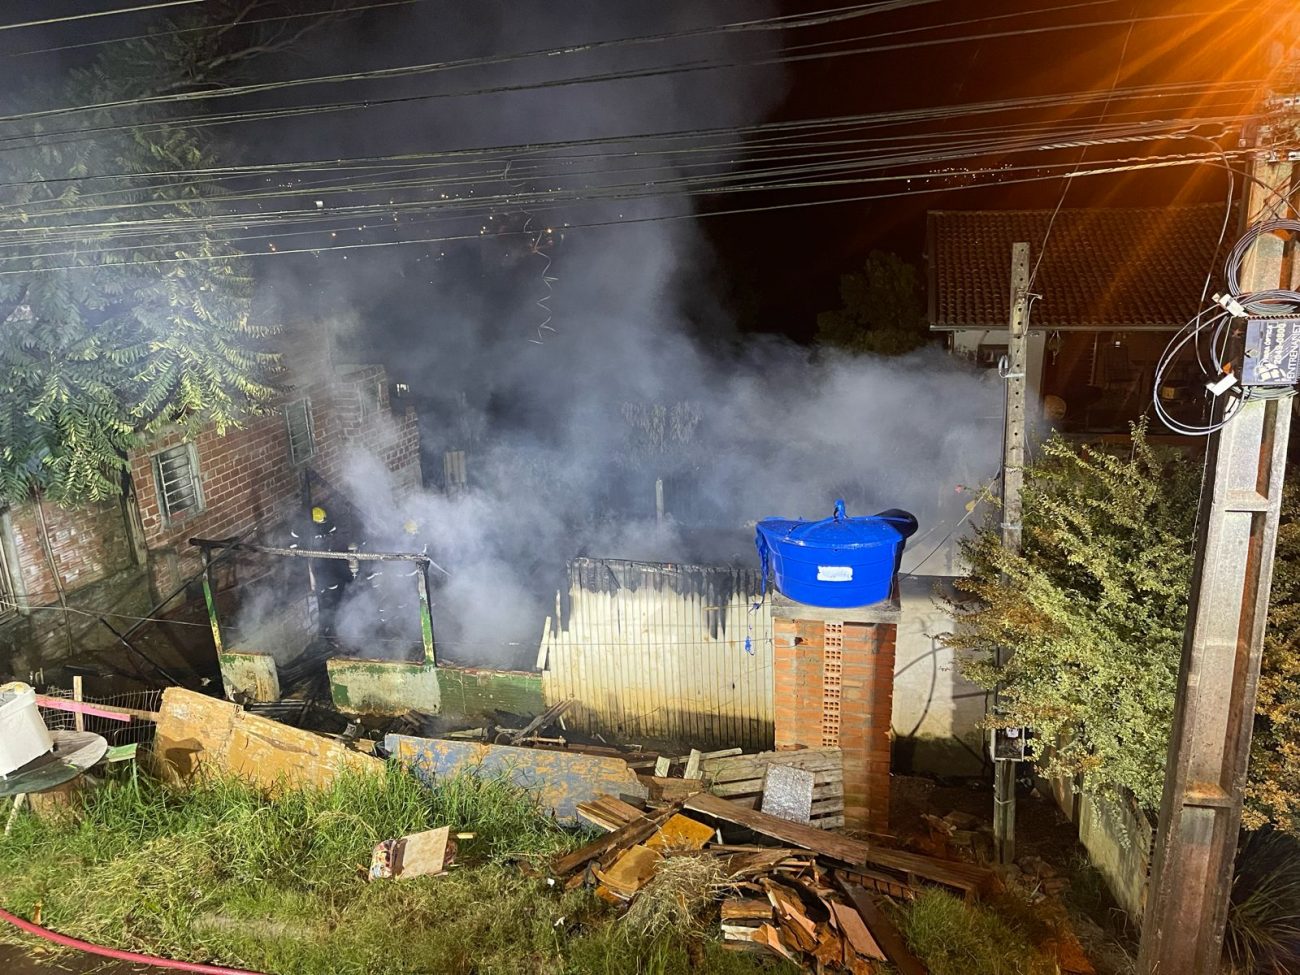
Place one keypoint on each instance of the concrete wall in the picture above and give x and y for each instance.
(937, 714)
(1120, 841)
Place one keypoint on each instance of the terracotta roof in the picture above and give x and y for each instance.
(1113, 267)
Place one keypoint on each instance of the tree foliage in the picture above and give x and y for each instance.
(881, 309)
(112, 330)
(1273, 792)
(1093, 611)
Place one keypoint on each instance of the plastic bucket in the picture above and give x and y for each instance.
(23, 735)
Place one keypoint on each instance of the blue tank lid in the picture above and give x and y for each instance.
(842, 532)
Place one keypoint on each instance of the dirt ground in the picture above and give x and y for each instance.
(1042, 831)
(15, 961)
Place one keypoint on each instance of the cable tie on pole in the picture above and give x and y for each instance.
(1221, 386)
(1231, 304)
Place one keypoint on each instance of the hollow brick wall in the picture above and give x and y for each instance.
(834, 684)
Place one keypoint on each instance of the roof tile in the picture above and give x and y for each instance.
(1102, 267)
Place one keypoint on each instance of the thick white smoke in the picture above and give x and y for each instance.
(638, 375)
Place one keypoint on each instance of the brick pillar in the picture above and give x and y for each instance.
(834, 684)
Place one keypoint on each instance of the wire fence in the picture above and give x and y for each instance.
(137, 730)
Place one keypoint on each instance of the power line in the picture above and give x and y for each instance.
(672, 161)
(189, 259)
(225, 25)
(99, 13)
(603, 77)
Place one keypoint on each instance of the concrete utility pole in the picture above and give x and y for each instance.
(1200, 815)
(1013, 476)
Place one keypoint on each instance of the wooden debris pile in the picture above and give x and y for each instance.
(784, 887)
(747, 780)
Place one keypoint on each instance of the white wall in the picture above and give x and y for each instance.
(937, 713)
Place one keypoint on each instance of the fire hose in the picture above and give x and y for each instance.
(118, 955)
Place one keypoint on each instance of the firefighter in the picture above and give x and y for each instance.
(330, 577)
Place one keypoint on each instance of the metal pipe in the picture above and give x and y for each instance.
(426, 616)
(304, 553)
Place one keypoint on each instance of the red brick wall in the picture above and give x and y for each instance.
(249, 480)
(834, 685)
(89, 544)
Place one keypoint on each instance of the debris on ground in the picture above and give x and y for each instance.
(560, 779)
(804, 894)
(743, 779)
(197, 732)
(425, 854)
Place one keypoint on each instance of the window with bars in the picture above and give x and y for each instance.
(176, 472)
(302, 436)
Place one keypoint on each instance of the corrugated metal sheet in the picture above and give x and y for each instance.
(662, 652)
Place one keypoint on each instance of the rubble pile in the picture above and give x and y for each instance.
(781, 886)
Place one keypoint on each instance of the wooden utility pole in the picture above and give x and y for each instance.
(1013, 476)
(1200, 814)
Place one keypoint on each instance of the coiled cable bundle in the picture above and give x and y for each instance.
(1209, 331)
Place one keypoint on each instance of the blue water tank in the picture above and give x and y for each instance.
(837, 562)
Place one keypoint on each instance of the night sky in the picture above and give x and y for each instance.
(773, 270)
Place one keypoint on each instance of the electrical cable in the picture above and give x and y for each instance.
(49, 21)
(224, 26)
(1068, 182)
(621, 221)
(1215, 322)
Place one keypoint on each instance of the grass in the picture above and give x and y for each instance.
(219, 873)
(954, 938)
(1263, 936)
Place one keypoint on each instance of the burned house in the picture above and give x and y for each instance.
(63, 567)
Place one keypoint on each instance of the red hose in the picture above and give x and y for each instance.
(128, 956)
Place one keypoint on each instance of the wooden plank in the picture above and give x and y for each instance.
(850, 923)
(692, 765)
(543, 720)
(95, 710)
(747, 788)
(629, 835)
(812, 759)
(746, 908)
(670, 790)
(559, 780)
(721, 753)
(198, 733)
(882, 929)
(767, 935)
(630, 871)
(680, 833)
(608, 812)
(963, 876)
(830, 947)
(820, 777)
